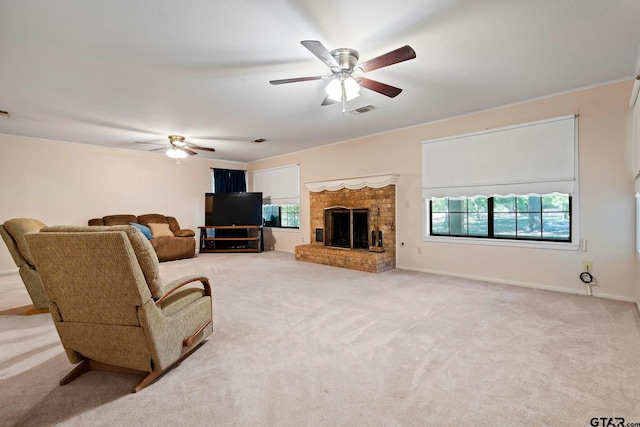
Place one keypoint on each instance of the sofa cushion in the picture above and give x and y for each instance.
(144, 229)
(119, 219)
(184, 233)
(160, 230)
(151, 218)
(173, 224)
(171, 248)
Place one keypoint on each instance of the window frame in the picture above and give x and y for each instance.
(533, 244)
(490, 223)
(280, 226)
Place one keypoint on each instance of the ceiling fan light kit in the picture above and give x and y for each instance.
(345, 85)
(176, 153)
(343, 63)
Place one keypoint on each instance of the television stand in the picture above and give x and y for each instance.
(231, 238)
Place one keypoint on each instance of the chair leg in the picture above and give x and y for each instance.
(154, 375)
(25, 310)
(35, 311)
(80, 369)
(91, 365)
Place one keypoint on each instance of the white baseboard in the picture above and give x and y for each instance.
(524, 284)
(5, 272)
(284, 251)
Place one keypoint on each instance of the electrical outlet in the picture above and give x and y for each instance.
(587, 266)
(419, 250)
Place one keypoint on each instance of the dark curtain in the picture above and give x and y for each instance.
(229, 181)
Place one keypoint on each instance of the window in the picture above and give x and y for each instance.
(514, 183)
(284, 216)
(544, 217)
(280, 188)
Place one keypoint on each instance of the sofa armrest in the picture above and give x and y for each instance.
(178, 283)
(184, 233)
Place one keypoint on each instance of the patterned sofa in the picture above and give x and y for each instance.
(164, 233)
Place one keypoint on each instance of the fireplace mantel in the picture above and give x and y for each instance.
(372, 181)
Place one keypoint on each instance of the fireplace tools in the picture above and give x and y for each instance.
(376, 234)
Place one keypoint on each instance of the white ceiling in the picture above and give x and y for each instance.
(111, 72)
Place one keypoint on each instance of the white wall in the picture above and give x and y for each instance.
(606, 197)
(64, 183)
(636, 170)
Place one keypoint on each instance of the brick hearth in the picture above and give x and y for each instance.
(380, 200)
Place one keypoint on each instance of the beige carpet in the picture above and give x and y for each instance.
(298, 344)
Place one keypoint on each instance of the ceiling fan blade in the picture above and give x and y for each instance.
(154, 142)
(399, 55)
(298, 79)
(321, 53)
(219, 138)
(385, 89)
(186, 150)
(195, 147)
(158, 149)
(327, 101)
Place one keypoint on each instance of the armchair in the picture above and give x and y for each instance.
(13, 232)
(110, 307)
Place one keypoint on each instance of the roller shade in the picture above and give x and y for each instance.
(536, 157)
(279, 186)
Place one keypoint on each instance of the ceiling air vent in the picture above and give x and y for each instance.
(4, 115)
(363, 110)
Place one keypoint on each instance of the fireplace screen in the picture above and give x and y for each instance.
(346, 227)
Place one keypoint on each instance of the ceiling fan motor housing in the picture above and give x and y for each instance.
(345, 57)
(176, 140)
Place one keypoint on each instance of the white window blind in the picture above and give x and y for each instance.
(537, 157)
(279, 186)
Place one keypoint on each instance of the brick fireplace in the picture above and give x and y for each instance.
(352, 223)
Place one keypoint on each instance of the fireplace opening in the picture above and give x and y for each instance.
(346, 227)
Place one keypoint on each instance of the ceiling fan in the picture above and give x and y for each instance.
(345, 82)
(178, 148)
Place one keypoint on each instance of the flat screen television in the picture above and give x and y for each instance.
(233, 209)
